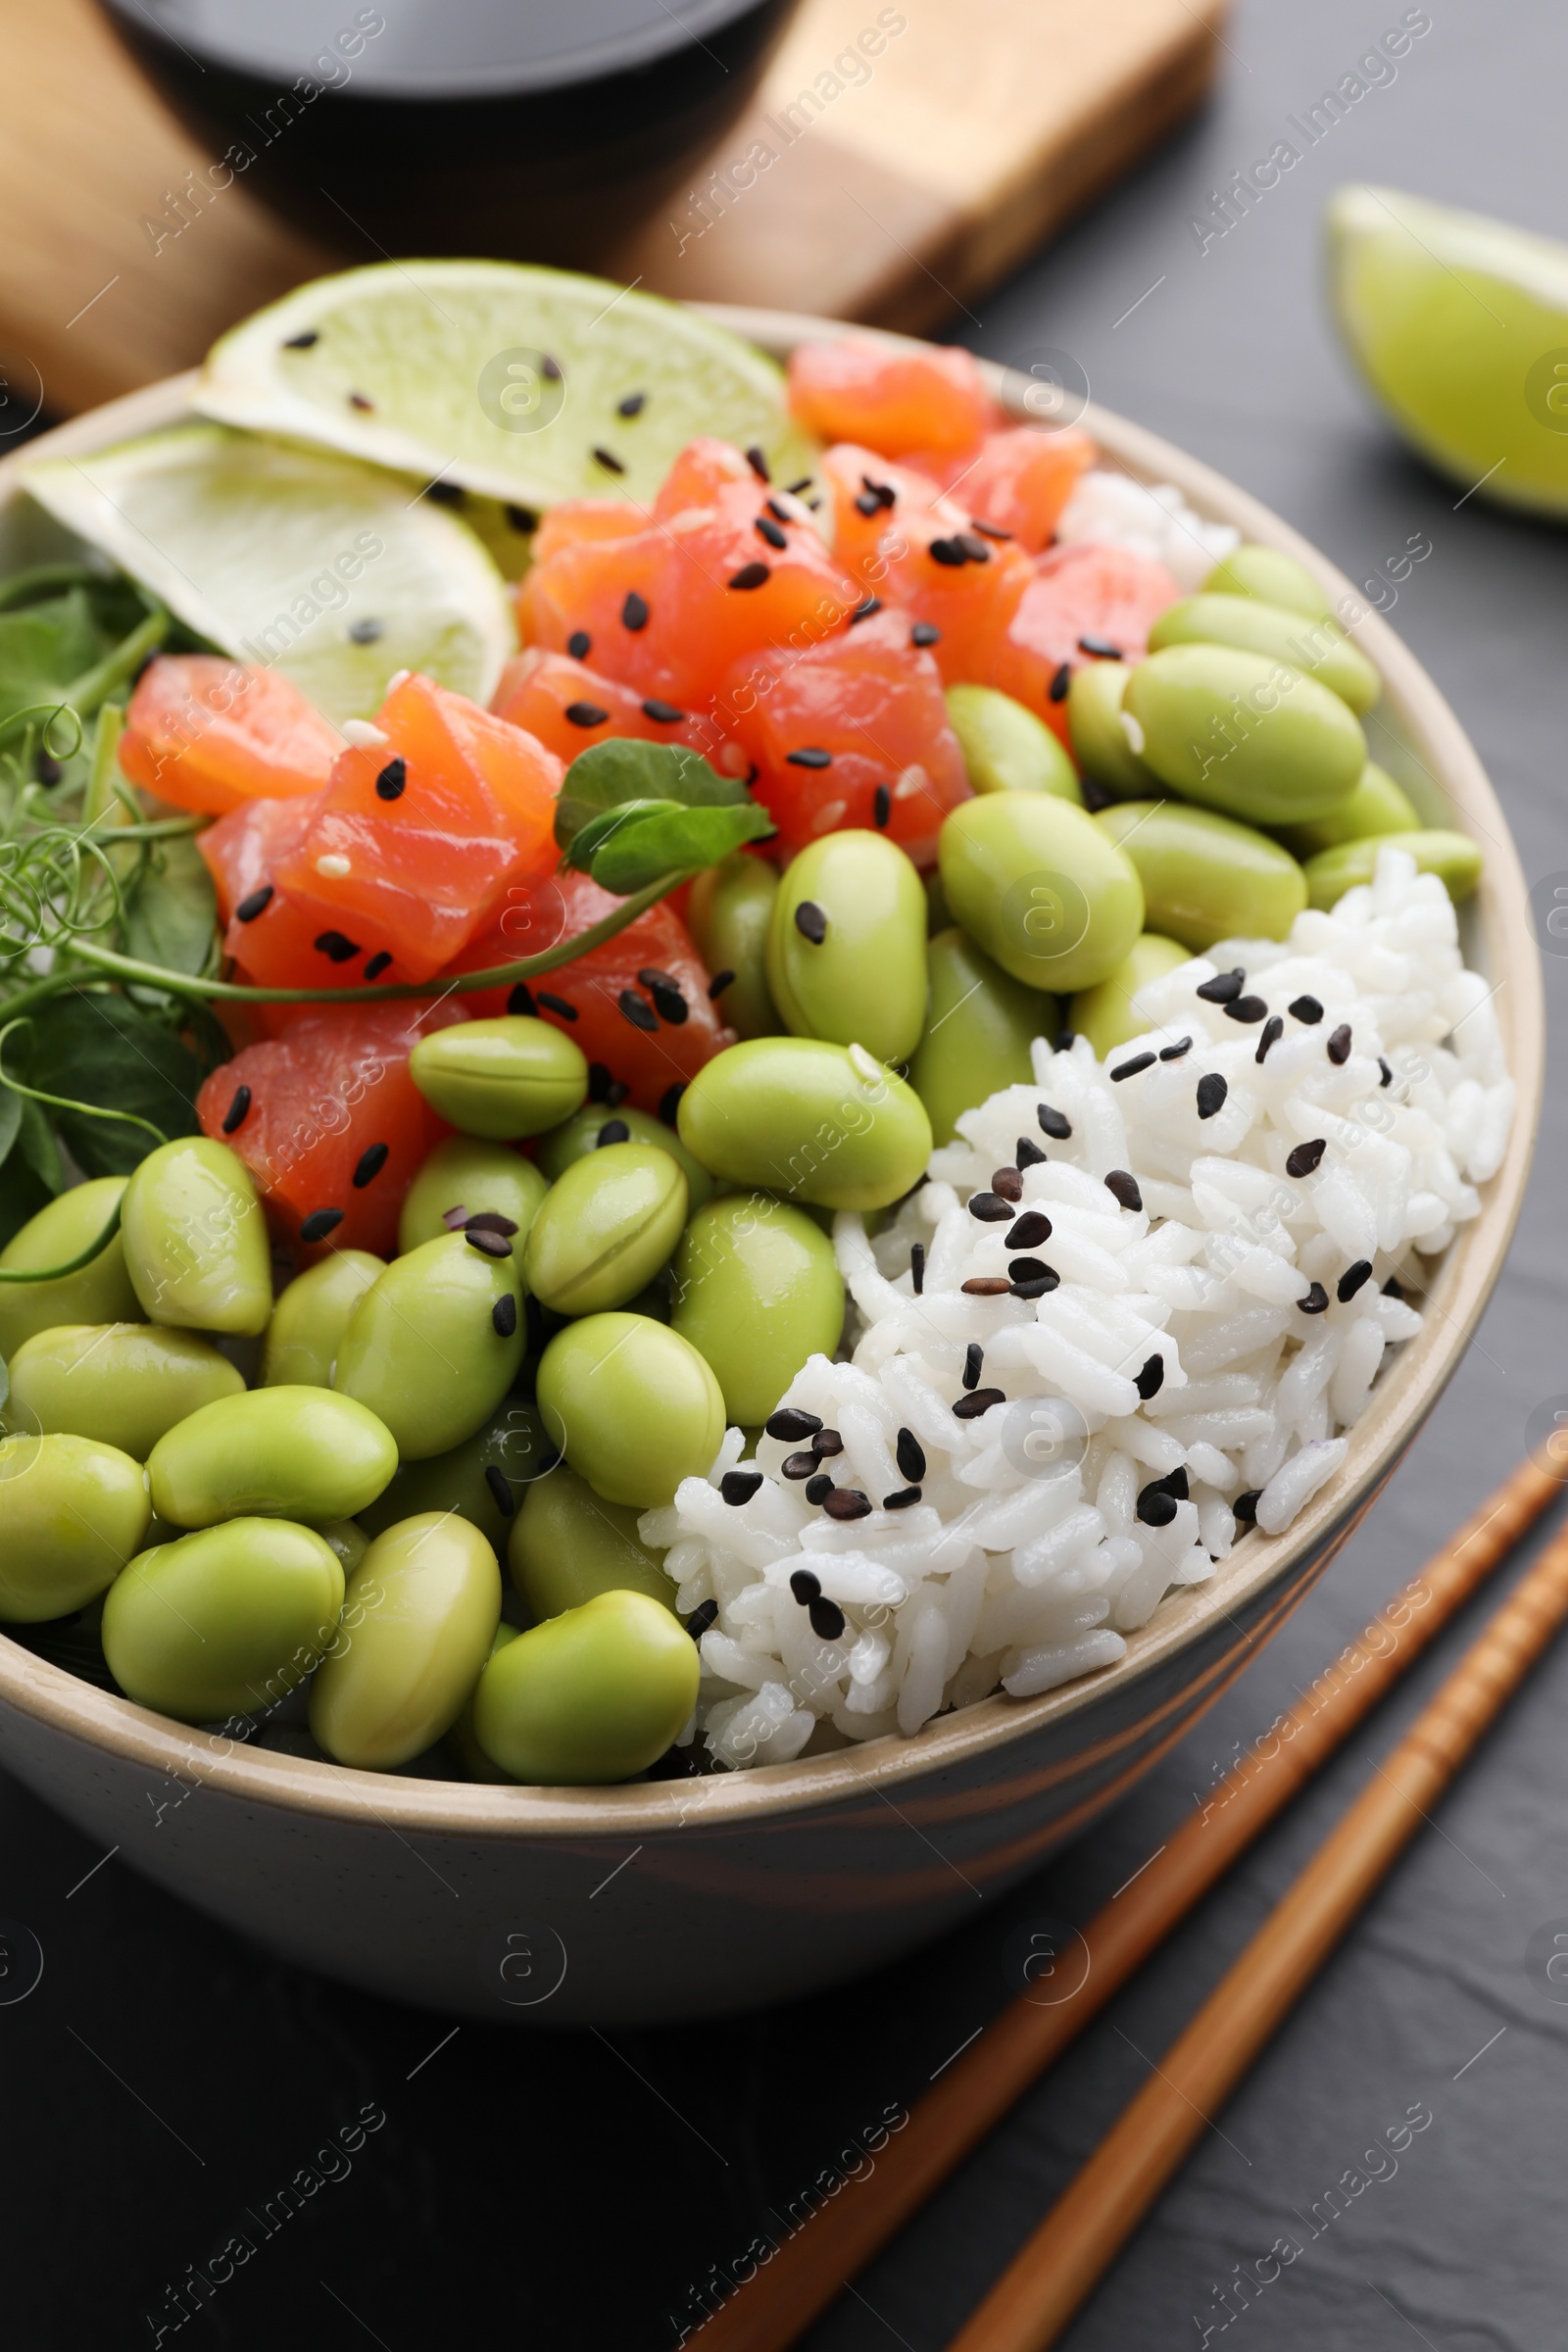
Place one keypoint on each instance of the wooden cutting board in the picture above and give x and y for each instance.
(892, 188)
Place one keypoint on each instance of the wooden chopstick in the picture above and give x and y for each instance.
(810, 2267)
(1043, 2285)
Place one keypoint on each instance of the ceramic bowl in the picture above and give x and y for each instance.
(675, 1901)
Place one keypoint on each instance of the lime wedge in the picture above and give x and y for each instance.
(1460, 326)
(530, 384)
(313, 564)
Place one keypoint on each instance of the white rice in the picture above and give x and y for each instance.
(1118, 511)
(1026, 1560)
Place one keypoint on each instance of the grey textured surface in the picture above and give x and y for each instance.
(163, 2078)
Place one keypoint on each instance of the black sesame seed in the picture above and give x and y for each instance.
(1156, 1505)
(1211, 1093)
(633, 610)
(525, 521)
(1152, 1379)
(1306, 1008)
(1305, 1157)
(972, 545)
(1028, 1155)
(1007, 1184)
(669, 1102)
(633, 405)
(488, 1244)
(370, 1164)
(500, 1485)
(1339, 1048)
(445, 493)
(864, 608)
(1052, 1122)
(805, 483)
(489, 1220)
(974, 1356)
(564, 1013)
(366, 631)
(840, 1503)
(902, 1500)
(255, 902)
(1034, 1285)
(1273, 1031)
(750, 576)
(1029, 1231)
(1100, 648)
(640, 1014)
(790, 1424)
(319, 1223)
(302, 342)
(768, 530)
(392, 780)
(800, 1465)
(663, 715)
(1130, 1070)
(1224, 987)
(336, 947)
(521, 998)
(989, 1208)
(866, 504)
(614, 1131)
(234, 1115)
(817, 1489)
(811, 757)
(1028, 1269)
(909, 1454)
(1060, 681)
(949, 551)
(825, 1442)
(550, 369)
(1316, 1300)
(668, 1003)
(357, 400)
(378, 963)
(978, 1401)
(826, 1616)
(991, 530)
(1387, 1078)
(1123, 1188)
(758, 464)
(739, 1485)
(616, 1092)
(778, 513)
(703, 1619)
(986, 1286)
(504, 1316)
(805, 1586)
(1247, 1011)
(917, 1267)
(585, 714)
(883, 492)
(882, 806)
(1245, 1507)
(925, 632)
(608, 458)
(1351, 1280)
(717, 985)
(579, 644)
(811, 922)
(1183, 1045)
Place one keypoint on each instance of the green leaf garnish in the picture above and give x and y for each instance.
(622, 768)
(653, 838)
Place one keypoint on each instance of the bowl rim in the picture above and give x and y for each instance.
(1429, 731)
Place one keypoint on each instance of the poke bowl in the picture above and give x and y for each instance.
(809, 1817)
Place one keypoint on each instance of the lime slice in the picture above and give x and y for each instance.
(1460, 326)
(530, 384)
(307, 563)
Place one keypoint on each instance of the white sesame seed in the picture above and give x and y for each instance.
(363, 735)
(334, 865)
(866, 1065)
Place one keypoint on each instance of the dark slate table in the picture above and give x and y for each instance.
(561, 2189)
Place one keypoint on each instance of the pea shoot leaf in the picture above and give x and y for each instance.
(626, 847)
(622, 769)
(172, 911)
(100, 1049)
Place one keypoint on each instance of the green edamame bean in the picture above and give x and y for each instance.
(477, 1763)
(977, 1034)
(1318, 647)
(1377, 805)
(1451, 857)
(596, 1694)
(222, 1622)
(1007, 748)
(74, 1512)
(482, 1479)
(100, 1292)
(435, 1344)
(605, 1229)
(632, 1405)
(503, 1079)
(1237, 731)
(1040, 888)
(568, 1543)
(123, 1384)
(1205, 876)
(312, 1315)
(728, 916)
(1099, 741)
(581, 1133)
(846, 945)
(821, 1123)
(1106, 1015)
(1274, 578)
(418, 1617)
(195, 1239)
(348, 1539)
(300, 1454)
(466, 1171)
(757, 1292)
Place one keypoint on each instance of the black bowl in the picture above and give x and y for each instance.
(539, 129)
